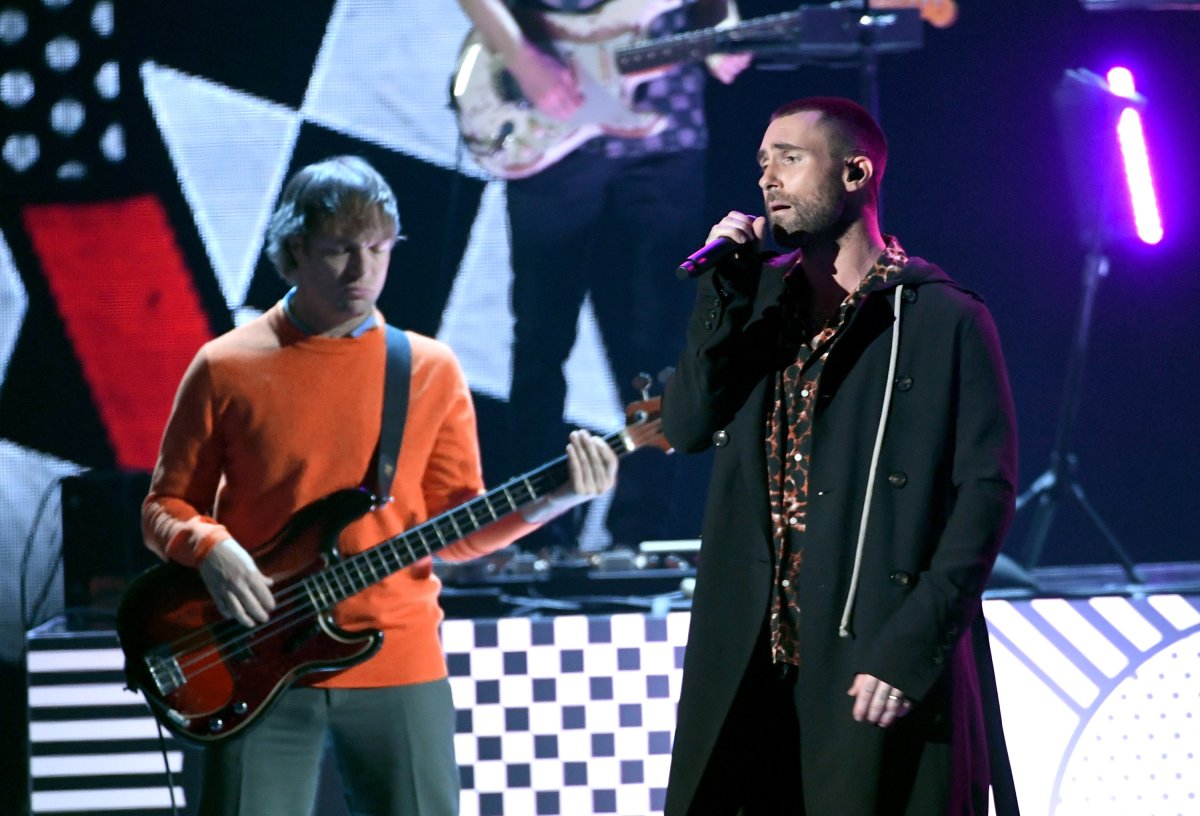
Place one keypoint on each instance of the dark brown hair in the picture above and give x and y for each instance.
(850, 127)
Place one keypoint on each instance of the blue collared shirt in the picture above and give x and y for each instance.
(367, 324)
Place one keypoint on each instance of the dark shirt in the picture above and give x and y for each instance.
(789, 430)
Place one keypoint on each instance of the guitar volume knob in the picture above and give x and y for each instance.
(240, 707)
(216, 724)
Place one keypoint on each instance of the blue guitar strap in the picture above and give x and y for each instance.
(395, 411)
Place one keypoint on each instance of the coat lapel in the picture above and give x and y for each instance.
(747, 431)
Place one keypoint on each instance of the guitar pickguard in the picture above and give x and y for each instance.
(510, 138)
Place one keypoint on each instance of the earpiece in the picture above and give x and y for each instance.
(855, 173)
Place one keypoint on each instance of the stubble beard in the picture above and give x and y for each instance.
(820, 217)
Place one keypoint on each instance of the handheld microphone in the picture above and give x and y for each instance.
(706, 257)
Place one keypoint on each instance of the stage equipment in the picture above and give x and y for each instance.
(1100, 127)
(1136, 160)
(1150, 5)
(852, 34)
(102, 537)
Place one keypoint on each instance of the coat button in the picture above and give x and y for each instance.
(903, 383)
(712, 312)
(901, 578)
(716, 302)
(910, 295)
(720, 438)
(897, 479)
(708, 325)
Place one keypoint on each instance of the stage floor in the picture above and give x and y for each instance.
(574, 714)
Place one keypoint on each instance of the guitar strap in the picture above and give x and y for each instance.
(395, 411)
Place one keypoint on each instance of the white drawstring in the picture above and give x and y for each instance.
(844, 628)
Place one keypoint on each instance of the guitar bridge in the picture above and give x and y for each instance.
(164, 670)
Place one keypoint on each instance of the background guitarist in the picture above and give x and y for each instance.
(285, 409)
(610, 220)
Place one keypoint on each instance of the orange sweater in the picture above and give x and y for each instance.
(268, 419)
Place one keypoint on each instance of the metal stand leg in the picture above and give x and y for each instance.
(1058, 482)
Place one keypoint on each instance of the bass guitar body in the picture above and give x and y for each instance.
(208, 677)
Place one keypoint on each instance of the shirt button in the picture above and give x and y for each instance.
(797, 457)
(720, 438)
(804, 392)
(793, 521)
(897, 479)
(785, 583)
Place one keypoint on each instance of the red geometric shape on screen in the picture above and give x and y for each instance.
(129, 307)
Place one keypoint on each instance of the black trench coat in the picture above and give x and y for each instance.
(943, 501)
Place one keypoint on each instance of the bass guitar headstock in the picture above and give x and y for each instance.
(643, 418)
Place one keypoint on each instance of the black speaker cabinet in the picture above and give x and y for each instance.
(102, 537)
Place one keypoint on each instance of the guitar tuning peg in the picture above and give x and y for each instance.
(642, 382)
(665, 374)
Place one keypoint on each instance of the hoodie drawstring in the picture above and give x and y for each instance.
(844, 628)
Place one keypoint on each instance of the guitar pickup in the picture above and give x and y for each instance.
(300, 638)
(164, 670)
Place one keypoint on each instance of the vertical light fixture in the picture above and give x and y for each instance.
(1146, 217)
(1098, 121)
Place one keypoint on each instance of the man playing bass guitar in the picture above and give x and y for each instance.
(283, 410)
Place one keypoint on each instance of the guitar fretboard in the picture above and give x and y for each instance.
(351, 575)
(691, 46)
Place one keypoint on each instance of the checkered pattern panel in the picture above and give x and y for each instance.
(574, 715)
(569, 715)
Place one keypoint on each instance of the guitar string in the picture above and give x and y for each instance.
(343, 569)
(292, 601)
(199, 662)
(293, 605)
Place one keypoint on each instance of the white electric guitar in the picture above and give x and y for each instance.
(610, 56)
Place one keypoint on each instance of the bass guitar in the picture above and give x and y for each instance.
(610, 56)
(207, 678)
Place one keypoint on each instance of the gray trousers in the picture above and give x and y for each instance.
(394, 749)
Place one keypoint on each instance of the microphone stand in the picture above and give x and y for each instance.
(1059, 483)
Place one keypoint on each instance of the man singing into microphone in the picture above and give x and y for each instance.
(863, 481)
